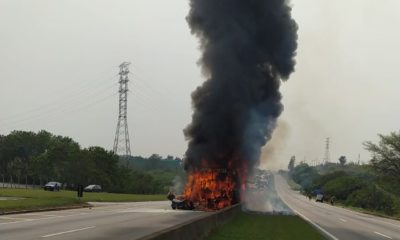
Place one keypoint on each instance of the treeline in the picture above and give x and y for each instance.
(35, 158)
(374, 186)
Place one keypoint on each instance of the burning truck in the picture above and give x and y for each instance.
(207, 189)
(248, 48)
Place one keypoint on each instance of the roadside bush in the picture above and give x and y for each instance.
(304, 175)
(323, 179)
(372, 198)
(342, 187)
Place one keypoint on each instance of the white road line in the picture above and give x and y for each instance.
(316, 225)
(69, 231)
(38, 215)
(343, 220)
(14, 218)
(308, 220)
(383, 235)
(367, 217)
(40, 219)
(22, 221)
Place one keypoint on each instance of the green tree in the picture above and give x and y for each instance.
(304, 175)
(342, 160)
(65, 159)
(154, 161)
(101, 167)
(386, 155)
(292, 162)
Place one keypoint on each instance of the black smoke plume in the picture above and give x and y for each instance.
(248, 47)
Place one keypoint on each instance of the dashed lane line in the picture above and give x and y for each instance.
(316, 225)
(383, 235)
(39, 219)
(69, 231)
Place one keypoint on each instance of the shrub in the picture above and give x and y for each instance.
(322, 180)
(342, 187)
(304, 175)
(372, 198)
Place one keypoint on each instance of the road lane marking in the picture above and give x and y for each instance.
(383, 235)
(69, 231)
(14, 218)
(40, 219)
(316, 225)
(309, 220)
(365, 216)
(343, 220)
(21, 221)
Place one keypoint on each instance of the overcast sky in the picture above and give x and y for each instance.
(58, 72)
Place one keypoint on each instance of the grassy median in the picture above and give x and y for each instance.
(254, 226)
(32, 199)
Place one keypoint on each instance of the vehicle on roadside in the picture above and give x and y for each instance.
(319, 198)
(93, 188)
(52, 186)
(178, 202)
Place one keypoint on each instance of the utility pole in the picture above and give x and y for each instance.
(327, 154)
(122, 145)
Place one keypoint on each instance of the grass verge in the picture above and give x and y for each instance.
(33, 199)
(253, 226)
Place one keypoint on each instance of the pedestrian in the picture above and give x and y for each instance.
(332, 200)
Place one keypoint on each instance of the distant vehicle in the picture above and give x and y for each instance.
(52, 186)
(319, 198)
(93, 188)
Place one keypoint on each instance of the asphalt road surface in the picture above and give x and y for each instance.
(104, 221)
(338, 222)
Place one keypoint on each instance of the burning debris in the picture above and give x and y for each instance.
(211, 189)
(248, 48)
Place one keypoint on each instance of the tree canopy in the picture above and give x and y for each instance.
(40, 157)
(386, 155)
(342, 160)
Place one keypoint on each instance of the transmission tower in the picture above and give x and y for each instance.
(122, 145)
(327, 154)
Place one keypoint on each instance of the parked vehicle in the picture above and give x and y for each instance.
(178, 202)
(93, 188)
(52, 186)
(319, 198)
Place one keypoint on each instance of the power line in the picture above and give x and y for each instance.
(56, 104)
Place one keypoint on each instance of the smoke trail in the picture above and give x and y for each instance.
(247, 46)
(272, 153)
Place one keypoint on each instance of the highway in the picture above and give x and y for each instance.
(337, 222)
(103, 221)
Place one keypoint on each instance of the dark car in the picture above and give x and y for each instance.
(52, 186)
(93, 188)
(179, 202)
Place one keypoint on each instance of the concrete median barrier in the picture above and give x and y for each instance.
(197, 228)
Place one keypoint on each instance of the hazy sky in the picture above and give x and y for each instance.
(58, 71)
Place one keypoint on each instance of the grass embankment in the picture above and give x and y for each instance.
(253, 226)
(33, 199)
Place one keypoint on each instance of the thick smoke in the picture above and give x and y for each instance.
(248, 47)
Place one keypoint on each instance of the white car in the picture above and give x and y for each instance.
(52, 186)
(93, 188)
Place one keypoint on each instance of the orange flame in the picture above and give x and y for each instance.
(210, 189)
